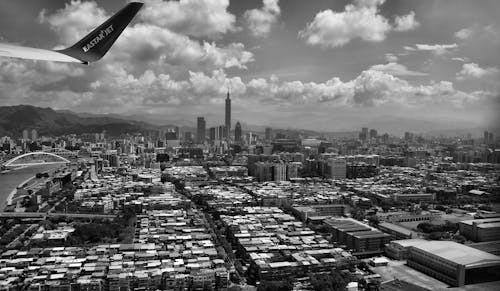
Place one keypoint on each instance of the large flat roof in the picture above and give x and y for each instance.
(458, 253)
(395, 227)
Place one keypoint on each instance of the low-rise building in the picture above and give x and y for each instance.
(453, 263)
(480, 229)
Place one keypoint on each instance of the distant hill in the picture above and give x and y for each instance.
(14, 119)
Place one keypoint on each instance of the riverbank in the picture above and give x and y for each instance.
(14, 192)
(18, 177)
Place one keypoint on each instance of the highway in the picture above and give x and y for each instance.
(43, 215)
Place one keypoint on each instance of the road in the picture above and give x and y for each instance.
(43, 215)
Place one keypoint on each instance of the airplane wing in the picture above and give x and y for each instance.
(15, 51)
(89, 49)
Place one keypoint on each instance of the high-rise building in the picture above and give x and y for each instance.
(408, 136)
(201, 129)
(237, 132)
(486, 137)
(337, 168)
(212, 133)
(268, 134)
(34, 134)
(219, 133)
(385, 138)
(172, 133)
(491, 138)
(25, 134)
(228, 116)
(364, 134)
(373, 133)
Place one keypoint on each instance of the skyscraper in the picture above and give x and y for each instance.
(364, 134)
(228, 116)
(34, 134)
(25, 134)
(201, 129)
(237, 132)
(268, 134)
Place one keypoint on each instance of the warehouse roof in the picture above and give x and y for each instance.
(458, 253)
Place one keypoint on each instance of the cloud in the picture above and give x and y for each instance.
(371, 88)
(396, 69)
(474, 31)
(74, 21)
(360, 20)
(158, 68)
(463, 33)
(406, 22)
(260, 21)
(156, 42)
(438, 49)
(474, 71)
(391, 58)
(458, 59)
(197, 18)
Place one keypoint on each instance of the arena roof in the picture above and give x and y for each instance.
(458, 253)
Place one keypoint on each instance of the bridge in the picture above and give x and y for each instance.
(45, 215)
(35, 159)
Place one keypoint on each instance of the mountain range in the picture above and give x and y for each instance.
(47, 121)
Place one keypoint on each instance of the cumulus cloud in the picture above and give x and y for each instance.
(198, 18)
(360, 20)
(474, 71)
(406, 22)
(463, 33)
(260, 21)
(75, 20)
(458, 59)
(370, 89)
(396, 69)
(391, 58)
(156, 67)
(487, 31)
(438, 49)
(159, 41)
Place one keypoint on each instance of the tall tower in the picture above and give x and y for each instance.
(237, 132)
(228, 116)
(201, 129)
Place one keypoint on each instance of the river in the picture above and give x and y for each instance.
(9, 181)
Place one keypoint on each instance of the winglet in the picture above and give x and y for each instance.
(97, 43)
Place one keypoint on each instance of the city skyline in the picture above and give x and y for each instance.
(293, 67)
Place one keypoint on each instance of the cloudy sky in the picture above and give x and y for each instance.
(316, 64)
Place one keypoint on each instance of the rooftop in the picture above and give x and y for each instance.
(458, 253)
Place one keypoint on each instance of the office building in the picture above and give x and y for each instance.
(268, 134)
(237, 132)
(227, 123)
(336, 168)
(453, 263)
(212, 133)
(172, 133)
(25, 134)
(34, 134)
(396, 231)
(200, 130)
(323, 210)
(279, 172)
(480, 230)
(363, 240)
(364, 134)
(373, 134)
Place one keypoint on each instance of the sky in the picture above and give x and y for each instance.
(316, 64)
